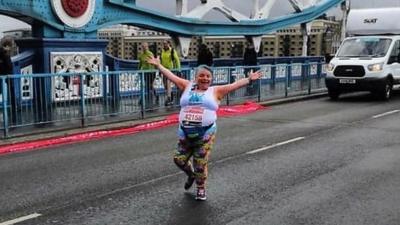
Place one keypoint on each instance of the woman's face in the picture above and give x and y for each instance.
(203, 79)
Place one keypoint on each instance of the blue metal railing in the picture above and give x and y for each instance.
(78, 100)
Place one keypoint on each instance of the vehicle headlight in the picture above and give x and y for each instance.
(330, 67)
(375, 67)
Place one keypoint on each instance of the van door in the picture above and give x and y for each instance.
(394, 61)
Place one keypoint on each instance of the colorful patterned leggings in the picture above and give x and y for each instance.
(198, 149)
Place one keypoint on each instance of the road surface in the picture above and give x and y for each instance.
(308, 162)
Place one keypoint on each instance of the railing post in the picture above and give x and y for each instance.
(273, 77)
(142, 95)
(309, 78)
(286, 80)
(259, 89)
(229, 81)
(82, 100)
(5, 111)
(106, 83)
(290, 74)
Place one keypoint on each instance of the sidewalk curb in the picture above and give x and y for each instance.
(294, 99)
(128, 124)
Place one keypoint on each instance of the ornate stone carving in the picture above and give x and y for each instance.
(73, 66)
(26, 83)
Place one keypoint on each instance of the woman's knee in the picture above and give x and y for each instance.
(180, 161)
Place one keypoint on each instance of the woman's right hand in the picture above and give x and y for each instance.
(179, 82)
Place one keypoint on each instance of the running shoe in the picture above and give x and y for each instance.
(189, 182)
(201, 194)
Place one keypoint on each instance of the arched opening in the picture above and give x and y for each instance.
(12, 28)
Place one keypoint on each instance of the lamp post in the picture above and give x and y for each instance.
(345, 7)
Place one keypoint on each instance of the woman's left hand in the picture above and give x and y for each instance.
(255, 75)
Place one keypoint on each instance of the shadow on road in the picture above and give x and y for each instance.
(362, 97)
(190, 211)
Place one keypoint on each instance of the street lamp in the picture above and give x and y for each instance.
(345, 7)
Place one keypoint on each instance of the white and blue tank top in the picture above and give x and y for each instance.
(198, 109)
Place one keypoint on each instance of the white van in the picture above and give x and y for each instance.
(368, 60)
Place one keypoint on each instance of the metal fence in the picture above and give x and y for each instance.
(36, 102)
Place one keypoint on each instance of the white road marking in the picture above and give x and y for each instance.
(274, 145)
(385, 114)
(21, 219)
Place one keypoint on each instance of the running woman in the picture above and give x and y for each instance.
(197, 121)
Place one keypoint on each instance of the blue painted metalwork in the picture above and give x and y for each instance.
(109, 12)
(4, 101)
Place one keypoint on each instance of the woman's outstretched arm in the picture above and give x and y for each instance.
(178, 81)
(222, 90)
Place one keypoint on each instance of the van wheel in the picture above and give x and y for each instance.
(333, 94)
(386, 91)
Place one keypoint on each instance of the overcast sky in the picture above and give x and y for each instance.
(281, 7)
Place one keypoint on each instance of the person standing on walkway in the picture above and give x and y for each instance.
(148, 76)
(6, 68)
(197, 121)
(5, 59)
(170, 60)
(205, 56)
(250, 61)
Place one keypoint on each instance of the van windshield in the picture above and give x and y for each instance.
(364, 47)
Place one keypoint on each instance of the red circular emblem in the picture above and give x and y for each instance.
(75, 8)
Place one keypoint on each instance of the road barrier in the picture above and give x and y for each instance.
(37, 102)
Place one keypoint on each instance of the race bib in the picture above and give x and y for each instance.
(193, 116)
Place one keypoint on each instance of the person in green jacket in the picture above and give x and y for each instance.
(169, 59)
(148, 76)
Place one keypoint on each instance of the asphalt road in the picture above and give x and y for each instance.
(308, 162)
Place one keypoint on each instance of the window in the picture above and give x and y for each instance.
(365, 46)
(395, 54)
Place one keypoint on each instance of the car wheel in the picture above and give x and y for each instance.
(386, 91)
